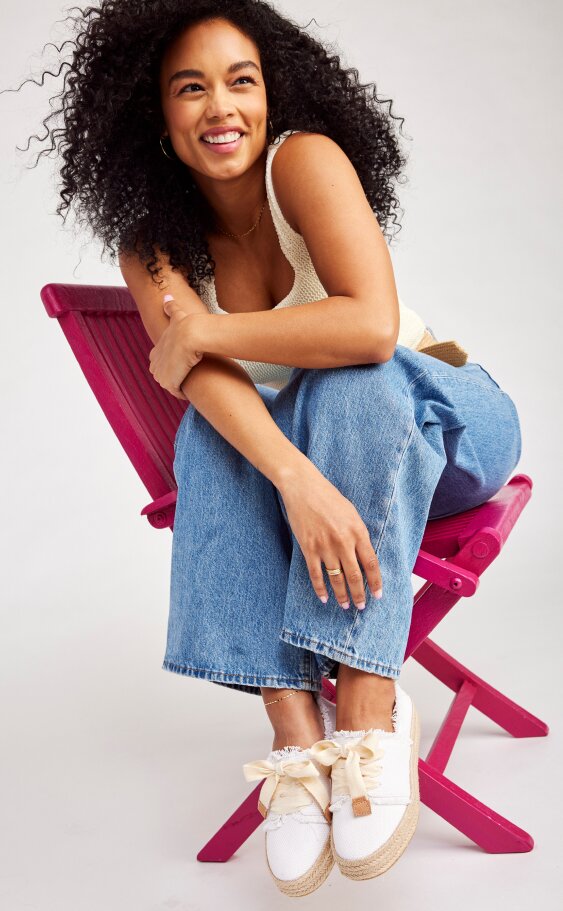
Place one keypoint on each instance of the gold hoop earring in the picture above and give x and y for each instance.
(164, 150)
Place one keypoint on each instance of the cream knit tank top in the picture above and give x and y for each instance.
(306, 287)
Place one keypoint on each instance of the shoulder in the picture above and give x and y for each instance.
(303, 167)
(304, 145)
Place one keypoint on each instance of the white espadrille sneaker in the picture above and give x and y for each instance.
(294, 801)
(375, 793)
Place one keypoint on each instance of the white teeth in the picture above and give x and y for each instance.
(222, 137)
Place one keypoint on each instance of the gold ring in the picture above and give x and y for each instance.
(333, 572)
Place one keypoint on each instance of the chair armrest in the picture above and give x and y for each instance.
(160, 512)
(446, 574)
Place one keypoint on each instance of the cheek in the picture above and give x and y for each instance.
(184, 116)
(256, 106)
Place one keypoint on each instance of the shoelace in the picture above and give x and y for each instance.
(290, 786)
(354, 770)
(276, 820)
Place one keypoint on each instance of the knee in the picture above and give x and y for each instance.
(359, 392)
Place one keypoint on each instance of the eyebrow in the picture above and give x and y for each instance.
(234, 68)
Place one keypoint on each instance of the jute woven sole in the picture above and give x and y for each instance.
(389, 852)
(311, 879)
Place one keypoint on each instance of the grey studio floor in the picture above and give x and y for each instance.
(115, 772)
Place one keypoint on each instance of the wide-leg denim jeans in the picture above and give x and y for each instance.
(405, 441)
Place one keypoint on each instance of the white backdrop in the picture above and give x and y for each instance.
(101, 799)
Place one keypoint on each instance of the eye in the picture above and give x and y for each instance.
(188, 86)
(198, 86)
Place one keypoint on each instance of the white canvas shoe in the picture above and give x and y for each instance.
(294, 801)
(375, 793)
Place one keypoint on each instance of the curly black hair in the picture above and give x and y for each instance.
(113, 171)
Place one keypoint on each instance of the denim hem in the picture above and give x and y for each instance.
(246, 683)
(339, 654)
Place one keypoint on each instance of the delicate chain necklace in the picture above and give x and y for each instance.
(246, 232)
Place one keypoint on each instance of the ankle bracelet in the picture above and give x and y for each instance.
(283, 697)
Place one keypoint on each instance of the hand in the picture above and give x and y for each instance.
(330, 531)
(175, 353)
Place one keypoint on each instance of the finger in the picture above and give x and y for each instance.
(315, 569)
(354, 578)
(168, 304)
(370, 562)
(178, 392)
(337, 581)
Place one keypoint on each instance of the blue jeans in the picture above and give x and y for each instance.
(406, 440)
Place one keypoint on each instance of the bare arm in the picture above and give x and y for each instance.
(236, 410)
(358, 321)
(333, 332)
(218, 387)
(327, 526)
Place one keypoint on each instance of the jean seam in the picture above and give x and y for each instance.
(455, 379)
(407, 389)
(248, 679)
(337, 652)
(386, 518)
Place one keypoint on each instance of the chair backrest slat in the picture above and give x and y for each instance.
(107, 336)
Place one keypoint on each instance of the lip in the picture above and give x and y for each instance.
(215, 131)
(223, 148)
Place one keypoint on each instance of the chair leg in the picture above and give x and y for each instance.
(482, 825)
(492, 703)
(234, 832)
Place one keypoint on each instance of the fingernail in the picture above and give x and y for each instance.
(378, 593)
(323, 598)
(345, 605)
(167, 297)
(360, 605)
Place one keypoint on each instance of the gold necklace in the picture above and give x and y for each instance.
(228, 234)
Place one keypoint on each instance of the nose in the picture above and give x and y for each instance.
(219, 104)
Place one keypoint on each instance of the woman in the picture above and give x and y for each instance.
(228, 157)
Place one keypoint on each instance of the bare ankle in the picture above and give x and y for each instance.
(296, 720)
(364, 700)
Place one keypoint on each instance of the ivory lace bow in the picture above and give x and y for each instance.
(354, 768)
(289, 785)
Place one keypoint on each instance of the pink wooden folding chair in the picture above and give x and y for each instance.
(105, 332)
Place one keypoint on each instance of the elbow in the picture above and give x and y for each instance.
(387, 349)
(382, 332)
(382, 348)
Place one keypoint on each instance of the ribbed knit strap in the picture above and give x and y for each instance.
(289, 785)
(449, 351)
(426, 340)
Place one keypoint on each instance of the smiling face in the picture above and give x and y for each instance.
(211, 80)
